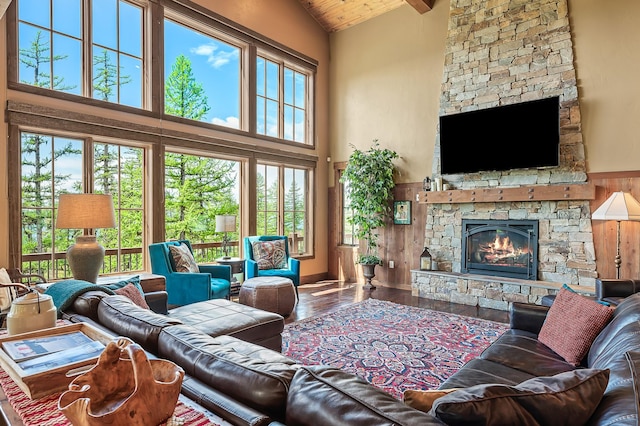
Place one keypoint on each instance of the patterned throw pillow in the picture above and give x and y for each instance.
(183, 258)
(572, 324)
(132, 293)
(270, 254)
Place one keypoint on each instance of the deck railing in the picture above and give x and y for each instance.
(56, 267)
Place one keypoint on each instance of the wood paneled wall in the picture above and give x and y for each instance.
(604, 232)
(404, 243)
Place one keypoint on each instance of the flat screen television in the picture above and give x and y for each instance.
(518, 136)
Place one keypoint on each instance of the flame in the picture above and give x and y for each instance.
(503, 245)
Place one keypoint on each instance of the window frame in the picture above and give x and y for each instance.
(309, 237)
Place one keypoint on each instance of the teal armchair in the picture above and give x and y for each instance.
(183, 288)
(292, 271)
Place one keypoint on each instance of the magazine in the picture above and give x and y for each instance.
(25, 349)
(65, 357)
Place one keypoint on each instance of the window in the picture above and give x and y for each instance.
(52, 165)
(51, 39)
(119, 171)
(348, 229)
(281, 100)
(202, 76)
(197, 188)
(282, 205)
(116, 30)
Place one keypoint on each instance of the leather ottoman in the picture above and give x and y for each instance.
(273, 294)
(219, 317)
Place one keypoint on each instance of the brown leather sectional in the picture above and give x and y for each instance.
(248, 384)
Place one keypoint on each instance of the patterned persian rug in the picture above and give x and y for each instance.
(394, 347)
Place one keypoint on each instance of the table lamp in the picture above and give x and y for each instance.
(619, 206)
(225, 223)
(85, 211)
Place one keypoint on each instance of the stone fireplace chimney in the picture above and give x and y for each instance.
(502, 52)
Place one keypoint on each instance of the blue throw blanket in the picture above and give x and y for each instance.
(65, 292)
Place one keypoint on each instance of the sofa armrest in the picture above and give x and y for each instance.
(616, 288)
(157, 301)
(527, 316)
(217, 271)
(250, 268)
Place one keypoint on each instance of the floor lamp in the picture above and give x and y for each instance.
(85, 211)
(619, 206)
(225, 223)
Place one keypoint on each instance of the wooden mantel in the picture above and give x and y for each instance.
(585, 191)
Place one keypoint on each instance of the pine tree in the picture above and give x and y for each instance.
(37, 57)
(196, 188)
(107, 77)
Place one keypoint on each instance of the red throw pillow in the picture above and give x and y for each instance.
(572, 324)
(132, 293)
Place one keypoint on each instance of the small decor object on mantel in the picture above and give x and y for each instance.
(123, 388)
(425, 260)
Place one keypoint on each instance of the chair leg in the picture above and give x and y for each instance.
(297, 295)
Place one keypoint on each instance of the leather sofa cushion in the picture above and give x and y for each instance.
(479, 371)
(87, 303)
(222, 317)
(327, 396)
(523, 352)
(123, 317)
(248, 373)
(628, 311)
(564, 399)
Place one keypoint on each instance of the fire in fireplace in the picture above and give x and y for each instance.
(506, 248)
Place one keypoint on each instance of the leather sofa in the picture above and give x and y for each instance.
(247, 384)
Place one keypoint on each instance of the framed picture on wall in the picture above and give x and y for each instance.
(402, 212)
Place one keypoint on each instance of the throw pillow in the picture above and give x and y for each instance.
(572, 324)
(568, 398)
(270, 254)
(133, 293)
(423, 399)
(135, 280)
(183, 258)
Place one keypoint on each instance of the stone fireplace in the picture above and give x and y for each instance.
(506, 248)
(501, 52)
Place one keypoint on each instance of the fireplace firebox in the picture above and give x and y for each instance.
(506, 248)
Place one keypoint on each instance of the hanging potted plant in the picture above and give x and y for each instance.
(369, 184)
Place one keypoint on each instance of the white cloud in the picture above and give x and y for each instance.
(232, 122)
(214, 57)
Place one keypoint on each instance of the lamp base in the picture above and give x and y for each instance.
(85, 258)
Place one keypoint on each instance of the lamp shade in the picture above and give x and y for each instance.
(619, 206)
(80, 211)
(225, 223)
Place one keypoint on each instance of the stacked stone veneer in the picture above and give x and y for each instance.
(502, 52)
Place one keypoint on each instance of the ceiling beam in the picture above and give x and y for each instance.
(422, 6)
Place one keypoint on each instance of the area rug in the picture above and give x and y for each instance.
(394, 347)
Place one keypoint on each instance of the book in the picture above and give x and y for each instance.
(25, 349)
(93, 349)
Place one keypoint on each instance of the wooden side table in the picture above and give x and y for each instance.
(237, 267)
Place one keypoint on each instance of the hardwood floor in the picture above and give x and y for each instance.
(327, 296)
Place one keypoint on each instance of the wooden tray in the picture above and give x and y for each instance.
(38, 385)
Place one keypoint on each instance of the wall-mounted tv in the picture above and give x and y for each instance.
(518, 136)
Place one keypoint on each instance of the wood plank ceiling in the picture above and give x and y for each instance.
(336, 15)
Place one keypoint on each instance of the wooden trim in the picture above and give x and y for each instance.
(524, 193)
(55, 119)
(613, 175)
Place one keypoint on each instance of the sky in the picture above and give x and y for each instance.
(216, 65)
